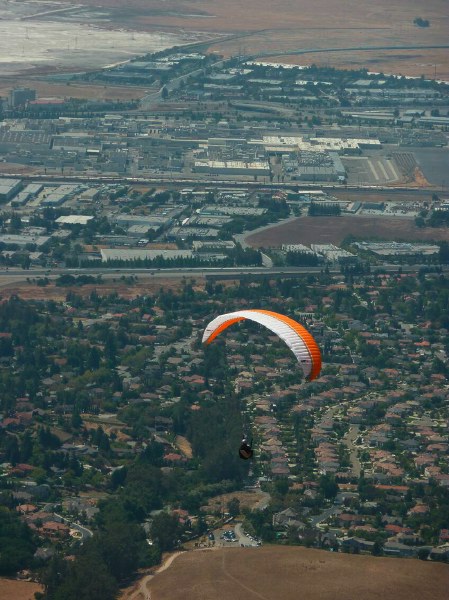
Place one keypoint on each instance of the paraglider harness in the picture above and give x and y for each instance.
(246, 450)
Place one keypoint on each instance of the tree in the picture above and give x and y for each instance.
(76, 420)
(234, 507)
(88, 579)
(376, 549)
(120, 546)
(16, 543)
(423, 554)
(328, 486)
(53, 575)
(165, 531)
(444, 253)
(420, 22)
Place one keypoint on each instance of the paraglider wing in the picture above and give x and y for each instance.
(297, 338)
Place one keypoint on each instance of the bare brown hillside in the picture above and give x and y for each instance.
(289, 573)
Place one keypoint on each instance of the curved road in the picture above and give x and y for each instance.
(347, 49)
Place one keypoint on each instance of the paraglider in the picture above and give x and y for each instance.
(297, 338)
(246, 449)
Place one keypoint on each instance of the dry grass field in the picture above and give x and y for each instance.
(333, 230)
(247, 499)
(46, 89)
(289, 24)
(290, 573)
(144, 285)
(10, 589)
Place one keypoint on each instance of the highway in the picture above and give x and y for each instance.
(297, 51)
(16, 275)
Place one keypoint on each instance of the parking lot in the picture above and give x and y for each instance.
(233, 537)
(370, 170)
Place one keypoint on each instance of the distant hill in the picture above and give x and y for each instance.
(290, 573)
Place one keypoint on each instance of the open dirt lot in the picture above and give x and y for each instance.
(247, 500)
(184, 445)
(277, 572)
(47, 89)
(38, 38)
(11, 589)
(30, 291)
(310, 24)
(333, 230)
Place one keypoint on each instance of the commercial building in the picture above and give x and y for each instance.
(108, 254)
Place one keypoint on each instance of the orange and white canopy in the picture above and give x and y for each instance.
(297, 338)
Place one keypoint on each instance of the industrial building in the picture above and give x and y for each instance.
(210, 220)
(297, 248)
(9, 188)
(74, 220)
(332, 253)
(89, 195)
(317, 144)
(27, 194)
(184, 233)
(232, 167)
(212, 246)
(314, 166)
(20, 199)
(19, 97)
(59, 195)
(148, 221)
(22, 241)
(392, 249)
(233, 211)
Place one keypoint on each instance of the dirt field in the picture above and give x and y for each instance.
(11, 589)
(282, 573)
(63, 90)
(333, 230)
(287, 25)
(184, 445)
(246, 499)
(30, 291)
(401, 62)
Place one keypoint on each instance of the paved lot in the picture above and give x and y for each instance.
(370, 170)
